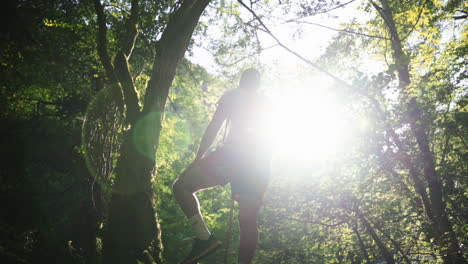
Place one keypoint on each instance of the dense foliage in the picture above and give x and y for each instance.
(397, 192)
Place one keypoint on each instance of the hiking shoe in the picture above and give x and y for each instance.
(201, 249)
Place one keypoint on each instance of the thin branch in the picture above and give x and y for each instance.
(417, 21)
(328, 10)
(395, 244)
(270, 47)
(132, 29)
(128, 87)
(384, 250)
(463, 141)
(250, 25)
(336, 7)
(236, 61)
(291, 51)
(247, 56)
(376, 6)
(341, 30)
(465, 15)
(176, 111)
(102, 41)
(361, 244)
(122, 68)
(460, 17)
(380, 10)
(446, 134)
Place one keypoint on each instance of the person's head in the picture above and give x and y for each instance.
(250, 79)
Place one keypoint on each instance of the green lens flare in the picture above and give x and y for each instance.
(175, 135)
(144, 134)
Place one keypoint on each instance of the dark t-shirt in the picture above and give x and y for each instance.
(246, 153)
(249, 120)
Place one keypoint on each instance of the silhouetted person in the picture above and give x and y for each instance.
(243, 161)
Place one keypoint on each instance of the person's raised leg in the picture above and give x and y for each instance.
(191, 181)
(184, 188)
(249, 208)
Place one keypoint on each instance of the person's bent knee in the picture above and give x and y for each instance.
(184, 184)
(179, 186)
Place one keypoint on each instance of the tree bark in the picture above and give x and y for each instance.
(405, 159)
(361, 245)
(132, 230)
(387, 255)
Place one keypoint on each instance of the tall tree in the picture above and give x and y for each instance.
(435, 207)
(132, 230)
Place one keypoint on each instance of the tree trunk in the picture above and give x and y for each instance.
(443, 232)
(387, 255)
(132, 229)
(131, 226)
(361, 245)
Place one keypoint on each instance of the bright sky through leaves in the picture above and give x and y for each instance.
(308, 122)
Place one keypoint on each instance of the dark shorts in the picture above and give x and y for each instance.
(247, 171)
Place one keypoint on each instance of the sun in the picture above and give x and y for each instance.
(309, 123)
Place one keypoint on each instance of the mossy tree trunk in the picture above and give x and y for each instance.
(132, 231)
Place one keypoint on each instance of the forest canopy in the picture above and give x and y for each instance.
(103, 104)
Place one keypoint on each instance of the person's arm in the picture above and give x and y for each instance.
(213, 128)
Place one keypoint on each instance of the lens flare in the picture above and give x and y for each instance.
(144, 132)
(310, 124)
(146, 128)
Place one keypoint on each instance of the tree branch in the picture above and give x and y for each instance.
(395, 243)
(128, 87)
(122, 68)
(132, 29)
(465, 15)
(405, 159)
(361, 244)
(179, 30)
(101, 40)
(460, 17)
(331, 9)
(290, 50)
(336, 7)
(446, 133)
(417, 21)
(386, 253)
(399, 56)
(339, 30)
